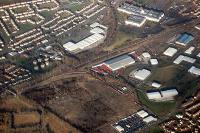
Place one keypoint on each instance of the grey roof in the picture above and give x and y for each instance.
(120, 62)
(136, 18)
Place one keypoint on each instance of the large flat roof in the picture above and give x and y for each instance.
(194, 70)
(120, 62)
(170, 51)
(140, 74)
(184, 39)
(181, 58)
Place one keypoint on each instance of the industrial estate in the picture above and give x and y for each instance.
(99, 66)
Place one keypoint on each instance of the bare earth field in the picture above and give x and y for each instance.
(89, 104)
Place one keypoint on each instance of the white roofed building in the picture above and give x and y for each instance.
(146, 55)
(142, 113)
(135, 20)
(154, 61)
(194, 70)
(170, 52)
(140, 74)
(154, 95)
(156, 85)
(181, 58)
(120, 62)
(169, 94)
(119, 128)
(190, 50)
(150, 119)
(98, 34)
(149, 14)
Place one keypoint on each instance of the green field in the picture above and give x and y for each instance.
(77, 5)
(166, 75)
(120, 40)
(159, 108)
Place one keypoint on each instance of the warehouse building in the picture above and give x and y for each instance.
(169, 94)
(190, 50)
(150, 119)
(135, 20)
(119, 62)
(154, 62)
(97, 37)
(170, 52)
(181, 58)
(149, 14)
(154, 95)
(142, 113)
(163, 95)
(194, 70)
(141, 74)
(156, 84)
(184, 39)
(114, 64)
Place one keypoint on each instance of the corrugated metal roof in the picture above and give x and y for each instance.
(120, 62)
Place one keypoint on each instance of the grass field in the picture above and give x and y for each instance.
(166, 74)
(77, 5)
(159, 108)
(57, 125)
(14, 103)
(26, 118)
(120, 40)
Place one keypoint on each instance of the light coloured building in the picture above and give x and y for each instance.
(146, 55)
(98, 35)
(194, 70)
(190, 50)
(181, 58)
(184, 39)
(156, 85)
(169, 94)
(140, 74)
(154, 61)
(119, 128)
(150, 119)
(142, 113)
(170, 52)
(154, 95)
(119, 62)
(197, 26)
(149, 14)
(135, 20)
(198, 55)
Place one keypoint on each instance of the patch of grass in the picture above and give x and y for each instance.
(159, 108)
(142, 2)
(21, 60)
(156, 130)
(165, 74)
(120, 40)
(25, 27)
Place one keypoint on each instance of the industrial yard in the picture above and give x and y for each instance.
(97, 66)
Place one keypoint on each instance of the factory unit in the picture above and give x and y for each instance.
(149, 14)
(194, 70)
(184, 38)
(98, 34)
(135, 20)
(170, 52)
(141, 74)
(120, 62)
(181, 58)
(163, 95)
(114, 64)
